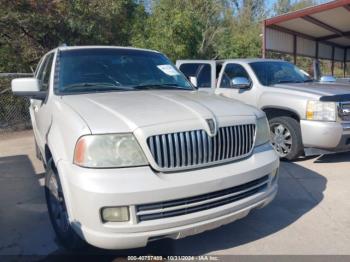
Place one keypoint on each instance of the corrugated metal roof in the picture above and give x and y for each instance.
(326, 25)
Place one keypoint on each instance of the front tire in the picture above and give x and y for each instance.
(286, 137)
(57, 210)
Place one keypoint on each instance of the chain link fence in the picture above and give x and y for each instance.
(14, 111)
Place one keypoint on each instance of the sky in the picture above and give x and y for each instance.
(271, 2)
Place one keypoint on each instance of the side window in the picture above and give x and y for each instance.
(201, 71)
(38, 67)
(45, 72)
(232, 71)
(41, 68)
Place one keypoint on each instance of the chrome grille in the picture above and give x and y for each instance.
(344, 111)
(183, 206)
(195, 148)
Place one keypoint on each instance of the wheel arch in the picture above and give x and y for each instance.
(274, 111)
(48, 153)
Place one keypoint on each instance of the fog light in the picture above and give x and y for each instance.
(115, 214)
(274, 176)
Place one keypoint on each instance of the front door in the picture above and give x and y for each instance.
(226, 88)
(203, 71)
(39, 109)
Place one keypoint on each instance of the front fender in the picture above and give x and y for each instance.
(293, 103)
(65, 129)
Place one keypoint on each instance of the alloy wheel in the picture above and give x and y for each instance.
(281, 139)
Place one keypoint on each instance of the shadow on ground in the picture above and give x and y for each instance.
(294, 200)
(24, 227)
(329, 158)
(334, 158)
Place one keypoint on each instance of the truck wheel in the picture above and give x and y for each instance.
(57, 210)
(286, 137)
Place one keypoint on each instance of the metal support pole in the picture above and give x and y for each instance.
(333, 52)
(295, 49)
(264, 40)
(316, 64)
(345, 56)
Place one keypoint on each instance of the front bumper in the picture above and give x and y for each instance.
(88, 190)
(330, 136)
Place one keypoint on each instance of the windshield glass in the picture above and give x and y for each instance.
(277, 72)
(107, 69)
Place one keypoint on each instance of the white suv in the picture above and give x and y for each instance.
(135, 153)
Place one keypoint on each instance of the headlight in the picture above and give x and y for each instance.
(262, 131)
(108, 151)
(321, 111)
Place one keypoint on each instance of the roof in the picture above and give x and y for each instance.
(326, 24)
(249, 60)
(63, 48)
(243, 60)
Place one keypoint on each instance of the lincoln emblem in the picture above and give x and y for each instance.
(211, 125)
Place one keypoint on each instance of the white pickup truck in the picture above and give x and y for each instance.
(135, 153)
(305, 116)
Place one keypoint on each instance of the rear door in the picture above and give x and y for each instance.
(203, 70)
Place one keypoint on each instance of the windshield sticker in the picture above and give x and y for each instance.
(168, 69)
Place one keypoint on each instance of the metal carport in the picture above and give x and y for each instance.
(319, 32)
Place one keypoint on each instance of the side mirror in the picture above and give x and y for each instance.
(193, 80)
(328, 79)
(28, 87)
(240, 83)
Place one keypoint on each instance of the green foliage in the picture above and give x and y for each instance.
(179, 28)
(204, 28)
(241, 37)
(285, 6)
(282, 6)
(31, 28)
(182, 29)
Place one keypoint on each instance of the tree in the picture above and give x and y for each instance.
(242, 31)
(255, 10)
(282, 7)
(31, 28)
(285, 6)
(182, 29)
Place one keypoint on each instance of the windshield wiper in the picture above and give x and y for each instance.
(287, 81)
(308, 80)
(159, 86)
(89, 86)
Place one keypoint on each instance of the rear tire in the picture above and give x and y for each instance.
(286, 137)
(57, 210)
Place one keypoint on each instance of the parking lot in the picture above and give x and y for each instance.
(309, 216)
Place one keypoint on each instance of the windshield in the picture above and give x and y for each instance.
(277, 72)
(107, 69)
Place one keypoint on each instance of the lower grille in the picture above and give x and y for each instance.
(190, 205)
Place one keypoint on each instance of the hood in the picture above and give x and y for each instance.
(127, 111)
(340, 92)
